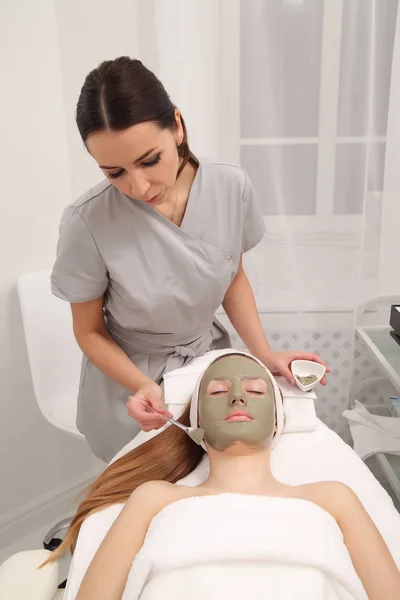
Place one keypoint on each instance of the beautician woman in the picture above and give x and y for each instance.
(147, 256)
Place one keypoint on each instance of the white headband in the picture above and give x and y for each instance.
(280, 417)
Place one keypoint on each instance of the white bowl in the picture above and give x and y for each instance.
(304, 368)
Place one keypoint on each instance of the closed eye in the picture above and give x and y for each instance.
(115, 175)
(145, 164)
(152, 162)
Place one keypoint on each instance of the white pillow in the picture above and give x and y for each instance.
(179, 384)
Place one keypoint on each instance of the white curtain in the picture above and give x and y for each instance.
(180, 41)
(314, 103)
(389, 280)
(297, 91)
(315, 86)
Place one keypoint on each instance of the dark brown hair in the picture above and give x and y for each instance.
(121, 93)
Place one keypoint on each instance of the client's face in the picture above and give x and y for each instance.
(236, 403)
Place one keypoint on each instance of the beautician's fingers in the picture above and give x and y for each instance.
(147, 407)
(154, 419)
(287, 373)
(309, 356)
(279, 363)
(139, 410)
(314, 358)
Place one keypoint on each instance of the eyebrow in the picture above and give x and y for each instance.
(145, 155)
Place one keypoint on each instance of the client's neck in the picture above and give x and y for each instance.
(241, 470)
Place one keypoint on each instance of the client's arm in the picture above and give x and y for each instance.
(108, 572)
(370, 555)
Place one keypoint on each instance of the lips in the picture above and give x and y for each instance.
(153, 199)
(239, 415)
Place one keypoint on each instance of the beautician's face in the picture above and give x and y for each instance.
(236, 403)
(141, 161)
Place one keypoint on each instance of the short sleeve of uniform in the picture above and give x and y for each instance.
(79, 273)
(253, 221)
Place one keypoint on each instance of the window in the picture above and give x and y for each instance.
(314, 89)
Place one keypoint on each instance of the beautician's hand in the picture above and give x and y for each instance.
(279, 363)
(147, 407)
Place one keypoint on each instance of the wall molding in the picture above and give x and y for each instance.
(58, 503)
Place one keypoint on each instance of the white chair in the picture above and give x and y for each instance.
(54, 356)
(20, 578)
(54, 360)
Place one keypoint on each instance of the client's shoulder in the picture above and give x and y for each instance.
(156, 495)
(335, 497)
(153, 490)
(319, 489)
(157, 485)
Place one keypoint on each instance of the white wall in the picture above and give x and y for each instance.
(35, 458)
(46, 49)
(88, 33)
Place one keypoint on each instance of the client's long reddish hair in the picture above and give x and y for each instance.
(169, 456)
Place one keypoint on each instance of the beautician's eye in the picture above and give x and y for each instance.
(152, 162)
(115, 175)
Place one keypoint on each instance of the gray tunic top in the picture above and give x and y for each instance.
(161, 283)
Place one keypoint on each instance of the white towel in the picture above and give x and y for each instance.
(212, 357)
(298, 458)
(233, 546)
(372, 434)
(298, 413)
(298, 406)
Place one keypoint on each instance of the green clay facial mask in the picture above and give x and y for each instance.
(236, 384)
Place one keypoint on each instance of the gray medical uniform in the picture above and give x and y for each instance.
(161, 283)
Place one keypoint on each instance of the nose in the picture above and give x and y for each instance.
(139, 185)
(238, 401)
(237, 398)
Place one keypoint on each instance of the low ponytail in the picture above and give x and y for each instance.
(183, 149)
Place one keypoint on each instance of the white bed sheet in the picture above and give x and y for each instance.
(319, 455)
